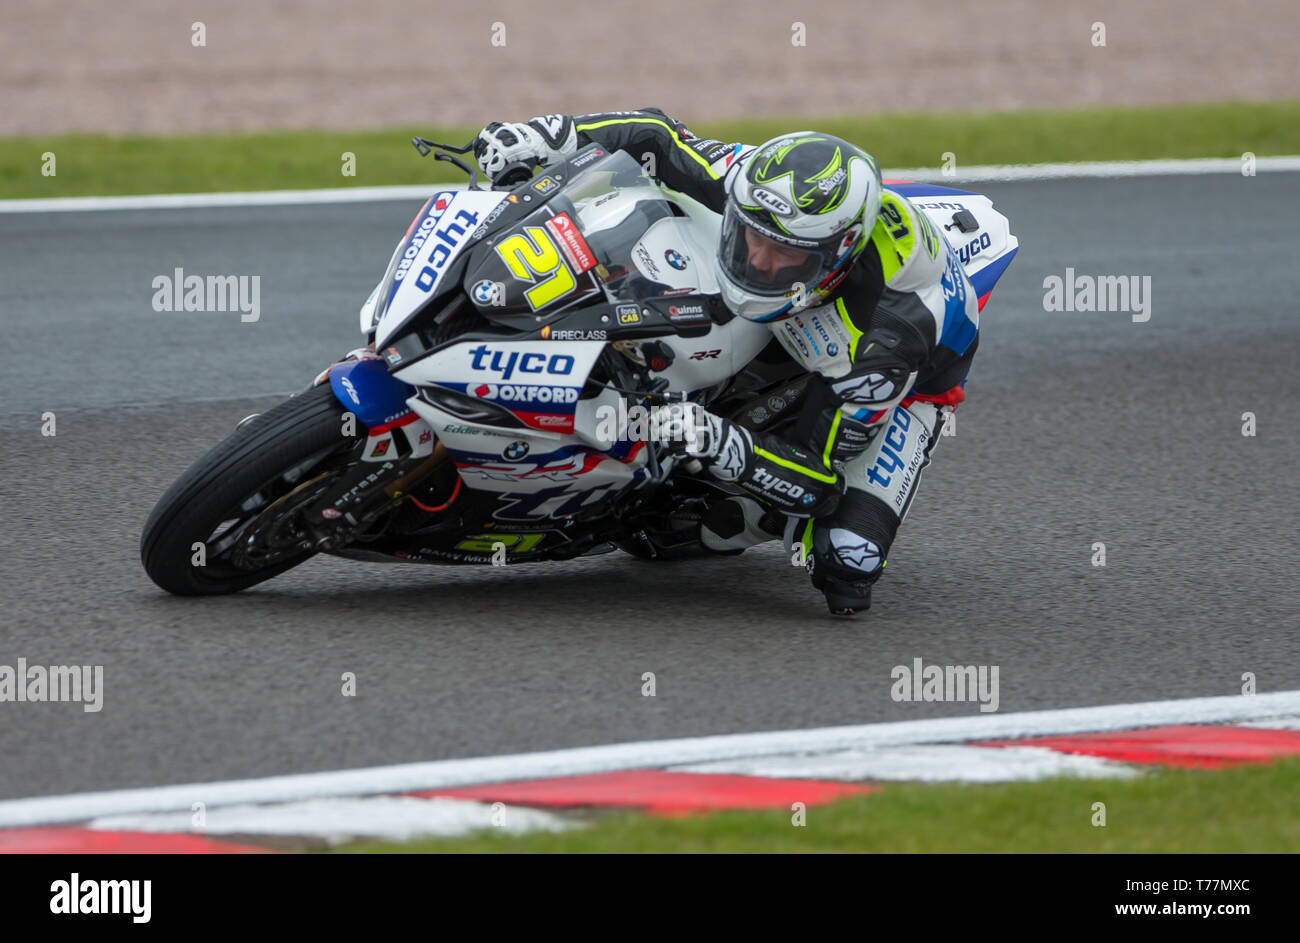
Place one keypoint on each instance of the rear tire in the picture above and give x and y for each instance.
(265, 459)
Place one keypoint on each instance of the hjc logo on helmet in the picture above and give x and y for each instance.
(768, 199)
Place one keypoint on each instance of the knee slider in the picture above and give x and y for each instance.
(853, 544)
(847, 557)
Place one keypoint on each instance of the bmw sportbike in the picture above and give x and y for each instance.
(517, 337)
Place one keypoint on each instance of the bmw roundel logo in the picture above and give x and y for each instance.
(485, 292)
(676, 259)
(807, 498)
(515, 450)
(832, 349)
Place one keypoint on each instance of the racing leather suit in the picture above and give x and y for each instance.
(887, 355)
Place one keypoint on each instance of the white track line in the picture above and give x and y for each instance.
(337, 820)
(964, 175)
(929, 763)
(443, 774)
(169, 201)
(1095, 170)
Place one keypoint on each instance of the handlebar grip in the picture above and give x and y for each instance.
(513, 174)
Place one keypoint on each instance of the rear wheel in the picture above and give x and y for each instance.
(233, 518)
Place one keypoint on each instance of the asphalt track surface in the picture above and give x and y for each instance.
(1080, 428)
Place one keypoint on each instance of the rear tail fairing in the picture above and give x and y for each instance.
(986, 250)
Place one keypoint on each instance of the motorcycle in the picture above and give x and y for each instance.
(516, 340)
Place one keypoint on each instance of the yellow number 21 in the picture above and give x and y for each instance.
(529, 259)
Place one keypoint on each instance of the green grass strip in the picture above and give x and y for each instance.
(1241, 809)
(104, 165)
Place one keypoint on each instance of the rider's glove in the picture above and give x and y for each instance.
(687, 429)
(690, 429)
(533, 143)
(797, 486)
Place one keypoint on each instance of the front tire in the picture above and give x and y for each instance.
(233, 508)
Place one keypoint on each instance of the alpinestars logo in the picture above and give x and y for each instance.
(873, 388)
(552, 128)
(855, 551)
(734, 456)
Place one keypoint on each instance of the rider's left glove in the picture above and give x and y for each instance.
(534, 143)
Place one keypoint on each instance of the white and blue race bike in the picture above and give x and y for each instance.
(516, 339)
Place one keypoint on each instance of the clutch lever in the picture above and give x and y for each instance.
(425, 146)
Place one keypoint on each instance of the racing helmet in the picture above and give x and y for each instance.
(796, 218)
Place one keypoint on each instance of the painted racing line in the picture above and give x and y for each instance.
(669, 777)
(984, 173)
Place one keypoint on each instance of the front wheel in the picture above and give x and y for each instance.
(232, 519)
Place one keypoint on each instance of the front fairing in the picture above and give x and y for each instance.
(426, 260)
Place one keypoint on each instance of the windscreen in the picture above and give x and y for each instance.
(577, 249)
(614, 203)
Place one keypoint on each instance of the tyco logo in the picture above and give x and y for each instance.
(890, 459)
(769, 482)
(449, 238)
(504, 363)
(974, 248)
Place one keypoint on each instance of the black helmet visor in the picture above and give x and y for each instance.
(762, 265)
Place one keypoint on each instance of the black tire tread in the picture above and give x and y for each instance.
(254, 454)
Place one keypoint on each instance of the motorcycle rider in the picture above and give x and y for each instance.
(859, 287)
